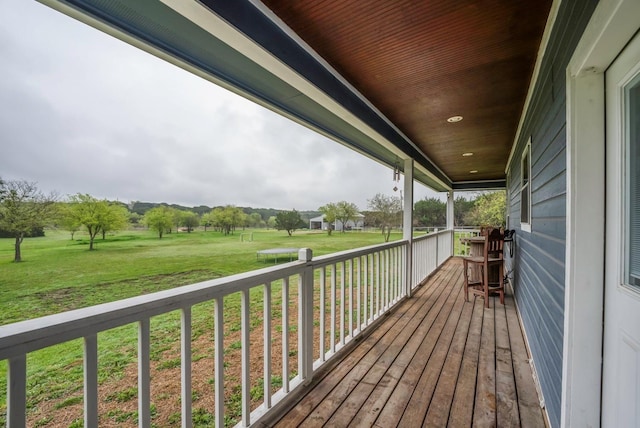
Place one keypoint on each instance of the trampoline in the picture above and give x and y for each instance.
(275, 253)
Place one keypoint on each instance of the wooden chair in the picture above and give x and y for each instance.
(492, 256)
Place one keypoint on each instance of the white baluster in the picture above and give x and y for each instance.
(144, 373)
(185, 367)
(91, 381)
(266, 328)
(219, 361)
(17, 392)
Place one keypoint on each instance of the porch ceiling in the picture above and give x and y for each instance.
(421, 62)
(380, 77)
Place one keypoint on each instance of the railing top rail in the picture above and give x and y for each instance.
(431, 235)
(467, 229)
(349, 254)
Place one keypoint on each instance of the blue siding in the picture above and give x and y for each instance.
(539, 259)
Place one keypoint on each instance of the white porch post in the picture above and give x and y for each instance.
(407, 221)
(450, 223)
(305, 317)
(450, 217)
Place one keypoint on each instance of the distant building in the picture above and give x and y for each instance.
(319, 223)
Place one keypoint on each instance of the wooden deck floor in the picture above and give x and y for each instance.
(435, 361)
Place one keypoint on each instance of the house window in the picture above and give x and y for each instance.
(525, 189)
(633, 184)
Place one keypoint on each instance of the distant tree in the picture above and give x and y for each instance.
(190, 220)
(386, 211)
(489, 209)
(200, 210)
(238, 218)
(346, 211)
(65, 220)
(220, 220)
(271, 222)
(134, 218)
(177, 217)
(265, 213)
(159, 219)
(255, 220)
(461, 208)
(117, 218)
(289, 221)
(23, 208)
(94, 214)
(207, 220)
(329, 215)
(228, 218)
(431, 212)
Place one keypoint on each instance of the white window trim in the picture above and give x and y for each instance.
(526, 226)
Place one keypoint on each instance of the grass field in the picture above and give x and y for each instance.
(60, 274)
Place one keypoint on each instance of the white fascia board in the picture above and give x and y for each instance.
(222, 30)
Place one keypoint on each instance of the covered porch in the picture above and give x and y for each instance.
(435, 360)
(355, 337)
(456, 96)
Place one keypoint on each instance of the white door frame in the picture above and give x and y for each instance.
(613, 24)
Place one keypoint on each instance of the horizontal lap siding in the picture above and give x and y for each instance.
(539, 257)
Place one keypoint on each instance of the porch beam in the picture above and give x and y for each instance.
(479, 185)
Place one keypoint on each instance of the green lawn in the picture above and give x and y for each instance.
(60, 274)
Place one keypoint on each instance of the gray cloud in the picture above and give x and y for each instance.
(83, 112)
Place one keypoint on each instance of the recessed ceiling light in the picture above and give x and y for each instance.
(454, 119)
(473, 171)
(468, 154)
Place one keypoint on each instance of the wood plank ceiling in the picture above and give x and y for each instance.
(422, 62)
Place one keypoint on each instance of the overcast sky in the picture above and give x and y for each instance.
(82, 112)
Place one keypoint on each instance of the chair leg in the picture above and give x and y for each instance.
(466, 280)
(501, 278)
(485, 285)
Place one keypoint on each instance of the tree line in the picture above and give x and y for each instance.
(25, 211)
(485, 209)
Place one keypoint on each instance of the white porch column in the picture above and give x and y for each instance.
(450, 217)
(450, 222)
(407, 220)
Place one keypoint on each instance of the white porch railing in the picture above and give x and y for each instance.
(464, 232)
(429, 252)
(329, 300)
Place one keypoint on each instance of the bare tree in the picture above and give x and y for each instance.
(23, 210)
(386, 211)
(289, 221)
(95, 215)
(346, 211)
(329, 215)
(159, 219)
